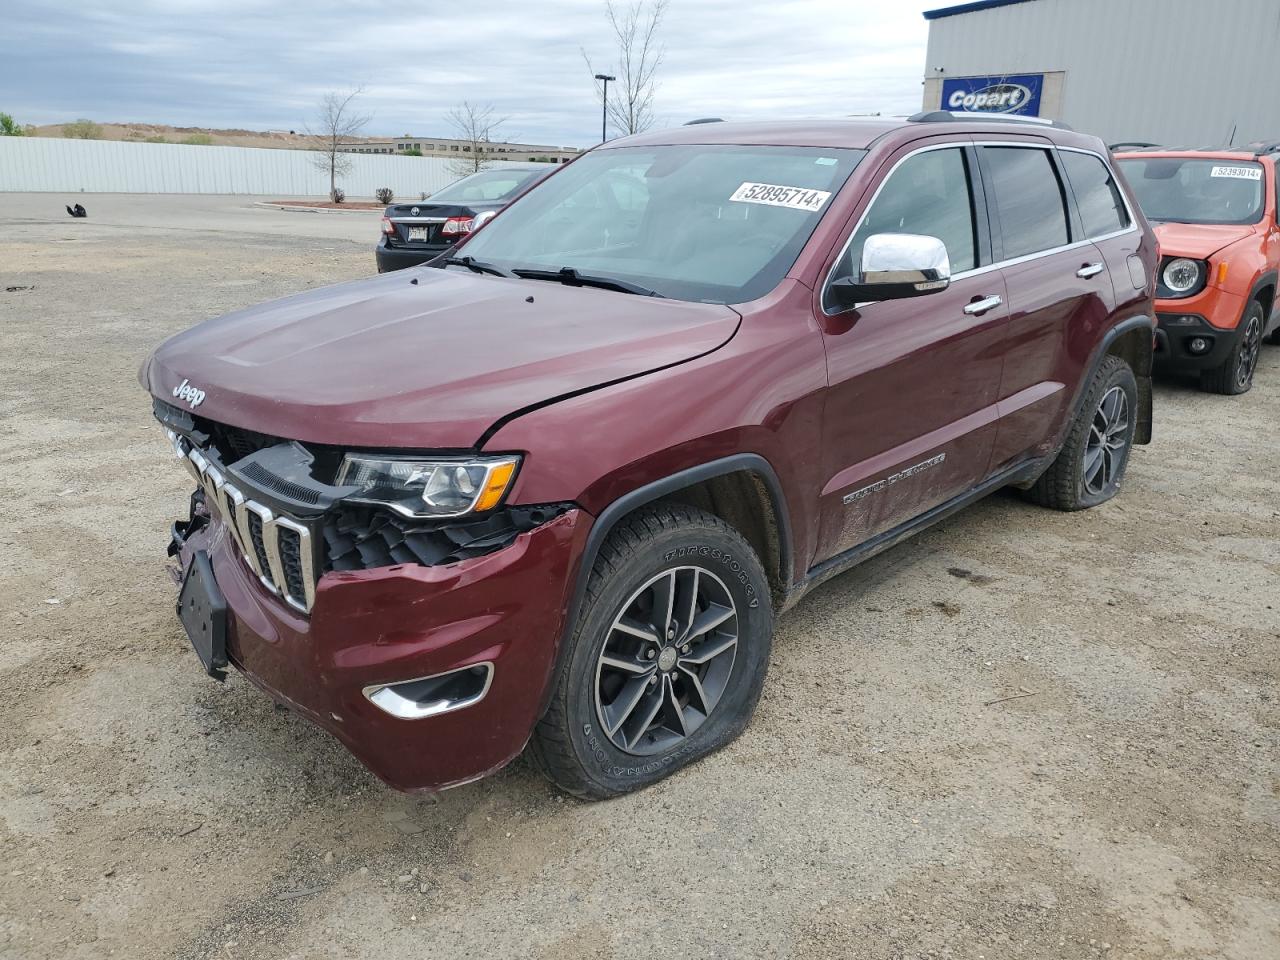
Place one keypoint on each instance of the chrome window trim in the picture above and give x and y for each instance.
(1000, 264)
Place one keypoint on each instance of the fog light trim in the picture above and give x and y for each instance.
(433, 695)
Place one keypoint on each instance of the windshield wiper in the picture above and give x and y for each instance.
(572, 278)
(474, 265)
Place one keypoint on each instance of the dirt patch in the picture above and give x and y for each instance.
(895, 797)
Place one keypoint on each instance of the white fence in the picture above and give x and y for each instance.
(47, 165)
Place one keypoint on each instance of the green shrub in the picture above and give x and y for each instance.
(412, 152)
(9, 127)
(82, 130)
(198, 140)
(384, 195)
(157, 139)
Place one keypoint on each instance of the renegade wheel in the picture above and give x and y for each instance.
(1235, 375)
(667, 658)
(1092, 462)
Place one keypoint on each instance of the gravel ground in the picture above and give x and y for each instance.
(890, 800)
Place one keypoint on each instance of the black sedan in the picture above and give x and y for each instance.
(414, 233)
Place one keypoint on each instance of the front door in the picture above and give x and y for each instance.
(910, 413)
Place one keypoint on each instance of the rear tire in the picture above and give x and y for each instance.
(1091, 465)
(641, 692)
(1234, 375)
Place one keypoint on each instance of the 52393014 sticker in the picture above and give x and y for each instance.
(1237, 173)
(775, 195)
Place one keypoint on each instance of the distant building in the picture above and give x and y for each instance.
(445, 147)
(1156, 71)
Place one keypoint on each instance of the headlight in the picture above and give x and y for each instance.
(1182, 275)
(427, 488)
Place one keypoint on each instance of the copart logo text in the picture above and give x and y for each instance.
(997, 98)
(185, 391)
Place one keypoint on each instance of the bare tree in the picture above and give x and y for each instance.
(337, 124)
(475, 125)
(640, 54)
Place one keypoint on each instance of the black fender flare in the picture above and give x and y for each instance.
(1269, 279)
(736, 463)
(1141, 321)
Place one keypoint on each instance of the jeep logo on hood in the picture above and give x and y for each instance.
(192, 395)
(997, 98)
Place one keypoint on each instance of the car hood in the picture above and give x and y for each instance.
(422, 358)
(1198, 240)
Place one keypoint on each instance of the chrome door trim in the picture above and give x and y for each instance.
(983, 305)
(1000, 264)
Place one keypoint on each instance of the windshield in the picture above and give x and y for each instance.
(1185, 190)
(713, 223)
(490, 185)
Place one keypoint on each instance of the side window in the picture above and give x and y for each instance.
(1097, 196)
(928, 194)
(1028, 200)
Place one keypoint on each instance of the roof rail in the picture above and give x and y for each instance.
(947, 116)
(1263, 147)
(1125, 146)
(691, 123)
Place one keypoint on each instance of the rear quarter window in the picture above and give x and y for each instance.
(1101, 206)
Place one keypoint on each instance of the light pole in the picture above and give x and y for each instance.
(604, 106)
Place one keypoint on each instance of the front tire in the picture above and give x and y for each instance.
(1235, 374)
(1091, 465)
(667, 657)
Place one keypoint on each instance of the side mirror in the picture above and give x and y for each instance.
(894, 266)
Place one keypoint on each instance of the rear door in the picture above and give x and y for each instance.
(910, 408)
(1059, 289)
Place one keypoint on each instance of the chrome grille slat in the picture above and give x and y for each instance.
(234, 509)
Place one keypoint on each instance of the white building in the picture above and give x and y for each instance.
(1172, 72)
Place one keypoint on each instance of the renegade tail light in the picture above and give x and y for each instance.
(439, 488)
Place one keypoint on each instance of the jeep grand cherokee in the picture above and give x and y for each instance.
(553, 492)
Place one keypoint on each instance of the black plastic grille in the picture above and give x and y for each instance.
(265, 478)
(291, 560)
(358, 538)
(258, 543)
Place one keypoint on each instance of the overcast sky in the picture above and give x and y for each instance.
(235, 63)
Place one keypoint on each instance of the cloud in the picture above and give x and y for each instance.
(231, 63)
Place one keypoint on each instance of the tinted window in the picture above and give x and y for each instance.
(1097, 196)
(929, 195)
(1195, 190)
(1028, 200)
(713, 222)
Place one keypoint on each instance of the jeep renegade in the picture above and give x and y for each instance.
(552, 490)
(1218, 225)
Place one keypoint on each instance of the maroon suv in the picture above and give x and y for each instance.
(554, 491)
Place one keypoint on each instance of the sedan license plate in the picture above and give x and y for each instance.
(203, 611)
(419, 233)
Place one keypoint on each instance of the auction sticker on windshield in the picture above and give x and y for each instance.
(773, 195)
(1237, 173)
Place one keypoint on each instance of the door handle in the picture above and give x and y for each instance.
(982, 306)
(1089, 270)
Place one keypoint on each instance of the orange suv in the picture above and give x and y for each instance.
(1215, 215)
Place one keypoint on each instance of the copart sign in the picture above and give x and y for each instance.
(1014, 93)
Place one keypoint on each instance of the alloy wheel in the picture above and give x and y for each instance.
(666, 661)
(1108, 437)
(1250, 344)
